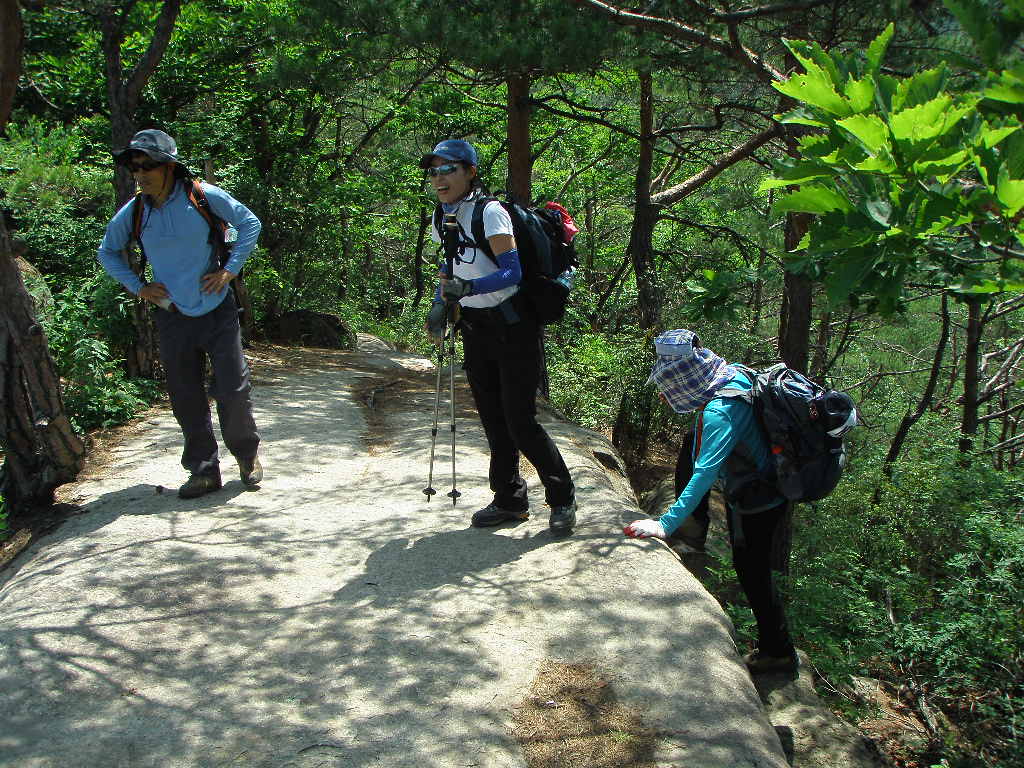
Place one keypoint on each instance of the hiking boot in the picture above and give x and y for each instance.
(199, 485)
(563, 519)
(492, 514)
(760, 663)
(251, 471)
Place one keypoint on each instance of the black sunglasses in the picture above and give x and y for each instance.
(443, 170)
(146, 165)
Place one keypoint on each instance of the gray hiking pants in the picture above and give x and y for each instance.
(185, 342)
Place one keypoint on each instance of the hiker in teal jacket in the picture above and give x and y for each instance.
(688, 377)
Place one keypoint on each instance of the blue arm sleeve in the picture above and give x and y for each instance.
(119, 232)
(241, 218)
(717, 441)
(509, 272)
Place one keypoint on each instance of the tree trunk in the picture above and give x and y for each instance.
(819, 361)
(41, 449)
(795, 313)
(520, 157)
(969, 419)
(12, 45)
(123, 97)
(645, 217)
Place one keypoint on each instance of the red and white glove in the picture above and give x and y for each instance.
(645, 529)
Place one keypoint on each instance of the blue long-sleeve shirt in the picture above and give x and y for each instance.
(175, 237)
(727, 421)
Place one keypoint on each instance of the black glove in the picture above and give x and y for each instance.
(454, 288)
(437, 321)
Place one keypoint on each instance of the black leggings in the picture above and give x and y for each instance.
(503, 369)
(752, 558)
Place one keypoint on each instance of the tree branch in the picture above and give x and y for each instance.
(679, 191)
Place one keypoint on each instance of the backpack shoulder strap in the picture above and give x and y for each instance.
(138, 205)
(138, 208)
(217, 225)
(477, 227)
(197, 197)
(746, 395)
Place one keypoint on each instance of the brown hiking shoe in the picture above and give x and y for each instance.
(199, 485)
(251, 471)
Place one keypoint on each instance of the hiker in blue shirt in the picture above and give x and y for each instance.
(501, 344)
(727, 444)
(196, 312)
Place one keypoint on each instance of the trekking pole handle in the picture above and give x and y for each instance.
(450, 238)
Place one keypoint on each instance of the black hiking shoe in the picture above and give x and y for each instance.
(492, 514)
(251, 471)
(563, 519)
(760, 663)
(199, 485)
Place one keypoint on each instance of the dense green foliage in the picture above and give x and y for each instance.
(314, 116)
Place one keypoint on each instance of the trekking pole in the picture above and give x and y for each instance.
(429, 490)
(451, 237)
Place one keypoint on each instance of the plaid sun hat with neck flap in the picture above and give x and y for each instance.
(687, 374)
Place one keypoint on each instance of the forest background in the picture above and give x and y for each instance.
(831, 183)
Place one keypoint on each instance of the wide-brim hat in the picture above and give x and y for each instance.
(455, 150)
(687, 374)
(155, 144)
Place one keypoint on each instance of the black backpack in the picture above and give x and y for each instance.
(547, 254)
(803, 425)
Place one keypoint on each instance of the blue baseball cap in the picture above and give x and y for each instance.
(455, 150)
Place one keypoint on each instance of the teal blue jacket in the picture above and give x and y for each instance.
(726, 422)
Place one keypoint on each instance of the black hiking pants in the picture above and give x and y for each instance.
(753, 557)
(503, 365)
(757, 574)
(185, 342)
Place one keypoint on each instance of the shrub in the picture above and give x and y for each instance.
(95, 389)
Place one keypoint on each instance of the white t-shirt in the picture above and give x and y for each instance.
(474, 262)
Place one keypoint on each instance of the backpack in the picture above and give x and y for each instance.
(803, 425)
(218, 237)
(547, 255)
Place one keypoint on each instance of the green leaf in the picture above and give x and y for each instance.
(941, 163)
(847, 272)
(812, 198)
(919, 89)
(1008, 87)
(878, 47)
(927, 121)
(790, 173)
(1012, 150)
(861, 93)
(938, 214)
(875, 165)
(801, 116)
(992, 136)
(1010, 193)
(811, 55)
(869, 130)
(816, 89)
(879, 210)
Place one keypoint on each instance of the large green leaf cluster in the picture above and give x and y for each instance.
(912, 179)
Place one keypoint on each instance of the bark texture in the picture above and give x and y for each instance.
(41, 450)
